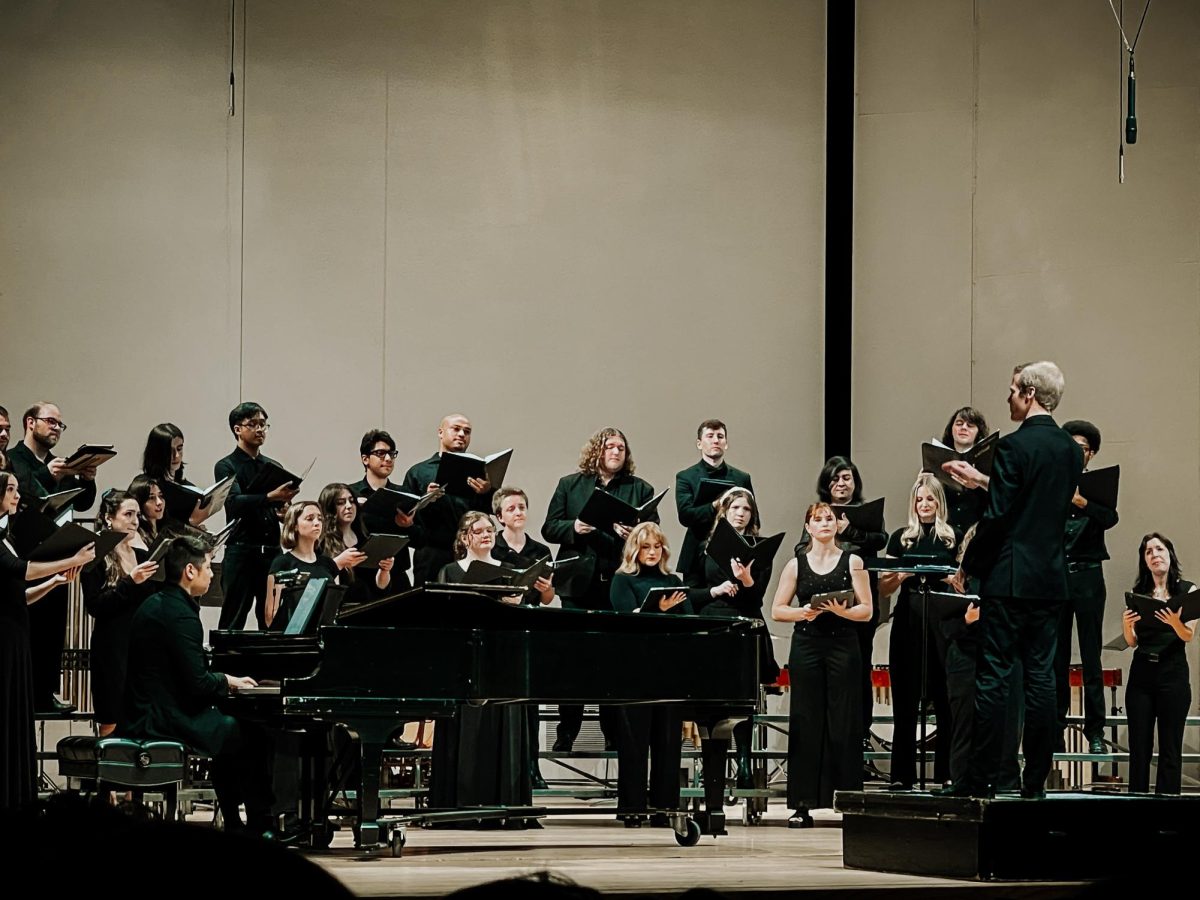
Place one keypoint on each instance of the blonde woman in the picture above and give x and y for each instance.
(648, 729)
(300, 537)
(929, 536)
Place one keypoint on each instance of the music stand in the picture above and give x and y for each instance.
(925, 568)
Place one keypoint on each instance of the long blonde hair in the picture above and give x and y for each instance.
(941, 527)
(640, 535)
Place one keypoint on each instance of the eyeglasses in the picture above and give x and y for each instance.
(255, 425)
(57, 424)
(383, 454)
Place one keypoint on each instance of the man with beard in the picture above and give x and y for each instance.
(39, 472)
(437, 523)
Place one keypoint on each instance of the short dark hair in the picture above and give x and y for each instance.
(4, 412)
(244, 411)
(184, 551)
(1085, 430)
(32, 413)
(373, 437)
(832, 466)
(714, 424)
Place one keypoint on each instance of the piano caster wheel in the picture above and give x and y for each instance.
(397, 842)
(692, 837)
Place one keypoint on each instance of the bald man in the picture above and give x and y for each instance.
(437, 523)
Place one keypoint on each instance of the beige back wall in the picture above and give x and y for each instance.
(991, 230)
(550, 216)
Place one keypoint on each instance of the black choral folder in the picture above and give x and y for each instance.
(864, 516)
(935, 453)
(655, 595)
(1100, 486)
(386, 501)
(455, 468)
(1187, 604)
(273, 475)
(379, 547)
(712, 488)
(726, 544)
(603, 510)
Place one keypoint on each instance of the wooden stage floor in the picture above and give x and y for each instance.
(599, 852)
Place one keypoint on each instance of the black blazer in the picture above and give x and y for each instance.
(698, 518)
(1018, 548)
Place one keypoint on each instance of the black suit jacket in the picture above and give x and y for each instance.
(169, 690)
(1018, 549)
(698, 518)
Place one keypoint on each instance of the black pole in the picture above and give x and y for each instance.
(839, 220)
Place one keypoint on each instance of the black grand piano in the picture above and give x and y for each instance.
(420, 654)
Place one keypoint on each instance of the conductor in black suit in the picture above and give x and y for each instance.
(1018, 555)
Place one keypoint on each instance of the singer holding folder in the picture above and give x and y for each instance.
(825, 717)
(605, 464)
(1159, 691)
(966, 428)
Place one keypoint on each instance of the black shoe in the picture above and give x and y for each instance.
(963, 789)
(801, 820)
(1033, 794)
(538, 782)
(55, 706)
(1096, 745)
(898, 786)
(563, 745)
(401, 744)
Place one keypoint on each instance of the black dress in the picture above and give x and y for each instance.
(112, 606)
(747, 603)
(18, 766)
(481, 754)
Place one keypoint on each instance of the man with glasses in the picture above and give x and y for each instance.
(250, 549)
(39, 473)
(378, 452)
(438, 522)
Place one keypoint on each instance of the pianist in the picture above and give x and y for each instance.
(170, 693)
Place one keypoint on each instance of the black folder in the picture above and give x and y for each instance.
(273, 475)
(1188, 604)
(603, 510)
(822, 601)
(655, 595)
(712, 488)
(52, 503)
(88, 455)
(69, 539)
(455, 468)
(935, 453)
(218, 540)
(530, 571)
(481, 573)
(864, 516)
(385, 501)
(945, 604)
(726, 544)
(379, 547)
(184, 499)
(1101, 486)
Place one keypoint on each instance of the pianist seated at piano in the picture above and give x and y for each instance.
(171, 693)
(343, 529)
(481, 755)
(653, 729)
(300, 538)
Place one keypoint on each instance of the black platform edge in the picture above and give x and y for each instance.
(1062, 837)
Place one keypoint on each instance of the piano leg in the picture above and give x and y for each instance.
(371, 755)
(714, 755)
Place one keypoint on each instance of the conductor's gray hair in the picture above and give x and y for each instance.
(1047, 382)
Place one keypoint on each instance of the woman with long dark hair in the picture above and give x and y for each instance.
(162, 460)
(1159, 690)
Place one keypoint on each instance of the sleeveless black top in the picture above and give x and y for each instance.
(809, 583)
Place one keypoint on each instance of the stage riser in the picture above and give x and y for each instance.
(1065, 837)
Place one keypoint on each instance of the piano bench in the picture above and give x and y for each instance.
(114, 762)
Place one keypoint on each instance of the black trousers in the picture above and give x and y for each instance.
(961, 657)
(570, 715)
(1014, 630)
(654, 730)
(47, 637)
(1084, 607)
(1158, 693)
(825, 719)
(244, 584)
(242, 774)
(908, 641)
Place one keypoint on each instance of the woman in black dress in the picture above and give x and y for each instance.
(113, 589)
(825, 718)
(734, 590)
(481, 755)
(1159, 689)
(930, 536)
(300, 538)
(18, 759)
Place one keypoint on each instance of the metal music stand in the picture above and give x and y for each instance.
(925, 569)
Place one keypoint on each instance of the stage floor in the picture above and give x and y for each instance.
(601, 853)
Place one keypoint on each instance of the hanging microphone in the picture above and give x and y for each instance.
(1131, 115)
